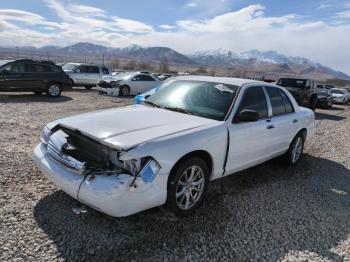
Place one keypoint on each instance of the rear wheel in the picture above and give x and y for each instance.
(187, 186)
(54, 89)
(124, 91)
(295, 150)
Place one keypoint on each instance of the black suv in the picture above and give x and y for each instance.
(35, 76)
(303, 90)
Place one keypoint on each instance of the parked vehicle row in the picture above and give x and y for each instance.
(166, 150)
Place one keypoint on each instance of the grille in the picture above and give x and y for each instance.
(55, 152)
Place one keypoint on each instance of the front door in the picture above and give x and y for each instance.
(13, 77)
(249, 141)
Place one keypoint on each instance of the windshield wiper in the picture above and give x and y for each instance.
(179, 109)
(152, 104)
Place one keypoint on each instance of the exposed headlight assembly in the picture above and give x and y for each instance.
(115, 83)
(146, 168)
(45, 135)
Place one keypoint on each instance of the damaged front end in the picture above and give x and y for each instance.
(94, 174)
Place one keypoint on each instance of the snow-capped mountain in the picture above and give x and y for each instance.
(266, 61)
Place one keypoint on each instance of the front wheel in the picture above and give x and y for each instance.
(124, 91)
(295, 150)
(313, 104)
(54, 90)
(187, 186)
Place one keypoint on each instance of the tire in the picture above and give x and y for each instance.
(313, 104)
(187, 186)
(295, 151)
(330, 104)
(88, 87)
(124, 91)
(54, 89)
(37, 92)
(71, 81)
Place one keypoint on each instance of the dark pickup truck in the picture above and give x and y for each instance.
(303, 90)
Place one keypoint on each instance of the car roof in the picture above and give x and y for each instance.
(222, 80)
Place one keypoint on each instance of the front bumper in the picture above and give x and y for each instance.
(109, 194)
(108, 91)
(338, 99)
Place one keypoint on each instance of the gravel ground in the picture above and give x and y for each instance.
(266, 213)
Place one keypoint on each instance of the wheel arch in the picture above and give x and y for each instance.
(197, 153)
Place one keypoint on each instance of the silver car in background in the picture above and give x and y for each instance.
(87, 75)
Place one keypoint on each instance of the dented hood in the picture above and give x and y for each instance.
(126, 127)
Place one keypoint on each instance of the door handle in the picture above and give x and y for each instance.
(295, 121)
(270, 127)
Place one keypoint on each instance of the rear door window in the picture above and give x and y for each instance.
(287, 103)
(93, 70)
(254, 99)
(276, 99)
(38, 68)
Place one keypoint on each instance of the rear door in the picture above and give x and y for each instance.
(93, 75)
(39, 75)
(284, 123)
(249, 142)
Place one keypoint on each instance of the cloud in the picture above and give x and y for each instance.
(167, 27)
(247, 28)
(245, 18)
(192, 4)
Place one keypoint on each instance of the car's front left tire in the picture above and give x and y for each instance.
(187, 186)
(54, 89)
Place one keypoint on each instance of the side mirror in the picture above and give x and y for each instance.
(247, 115)
(77, 70)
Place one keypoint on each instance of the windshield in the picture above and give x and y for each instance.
(289, 82)
(3, 62)
(68, 66)
(335, 91)
(205, 99)
(322, 92)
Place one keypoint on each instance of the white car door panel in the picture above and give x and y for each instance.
(283, 119)
(249, 141)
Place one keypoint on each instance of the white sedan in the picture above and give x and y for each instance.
(125, 84)
(340, 95)
(165, 151)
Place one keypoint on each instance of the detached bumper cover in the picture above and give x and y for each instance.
(109, 194)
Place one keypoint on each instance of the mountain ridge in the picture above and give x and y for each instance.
(254, 60)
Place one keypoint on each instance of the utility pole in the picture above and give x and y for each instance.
(103, 59)
(17, 51)
(47, 54)
(85, 58)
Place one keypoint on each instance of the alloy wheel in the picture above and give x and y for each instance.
(54, 90)
(190, 187)
(297, 149)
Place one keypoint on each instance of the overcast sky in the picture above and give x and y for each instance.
(318, 30)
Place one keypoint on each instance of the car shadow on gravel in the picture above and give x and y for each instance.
(32, 98)
(264, 212)
(332, 117)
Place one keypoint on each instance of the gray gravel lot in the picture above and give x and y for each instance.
(266, 213)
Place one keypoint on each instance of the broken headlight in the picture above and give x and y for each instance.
(146, 168)
(45, 135)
